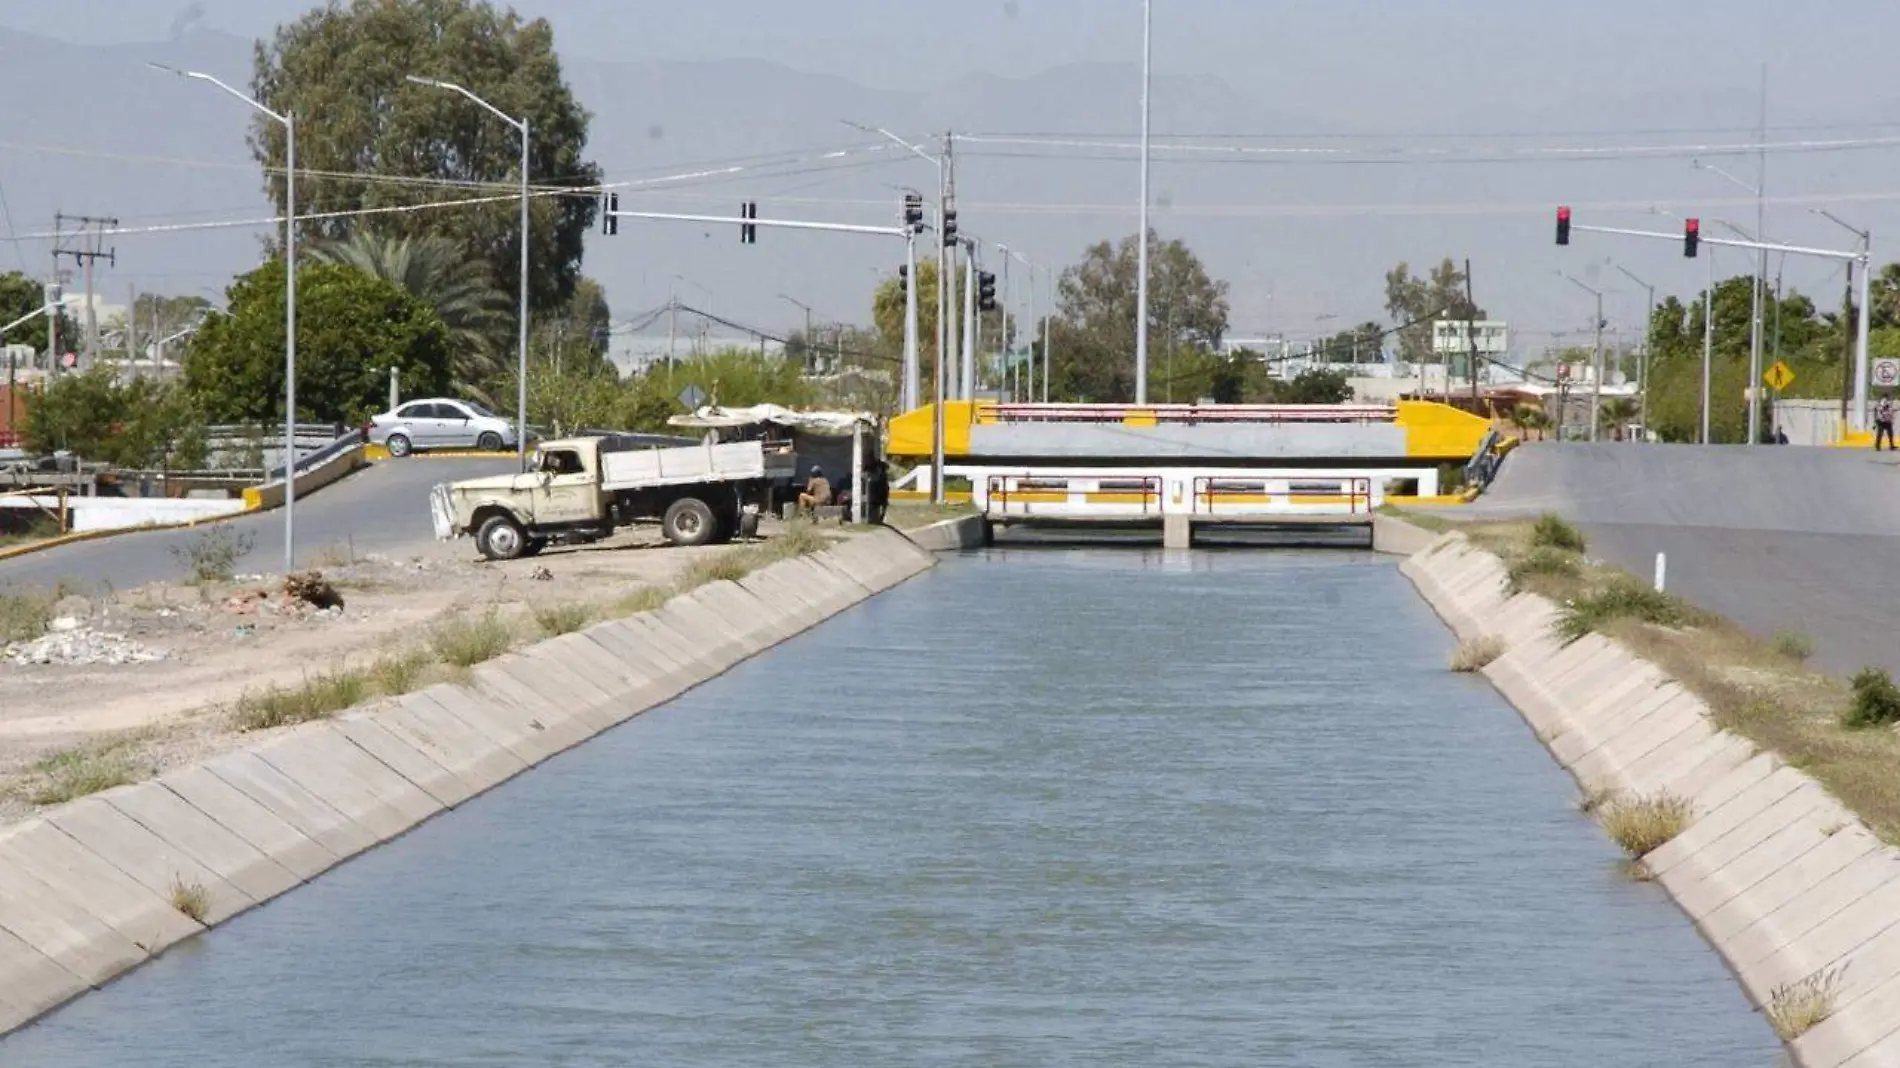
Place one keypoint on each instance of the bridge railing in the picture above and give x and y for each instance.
(1073, 494)
(1216, 495)
(1187, 414)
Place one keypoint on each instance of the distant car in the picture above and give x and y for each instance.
(440, 423)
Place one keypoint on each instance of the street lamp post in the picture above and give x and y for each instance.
(521, 315)
(1030, 393)
(290, 303)
(1141, 285)
(1642, 369)
(1596, 358)
(943, 303)
(1860, 355)
(811, 364)
(1756, 293)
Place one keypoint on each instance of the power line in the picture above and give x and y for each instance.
(1328, 154)
(1394, 135)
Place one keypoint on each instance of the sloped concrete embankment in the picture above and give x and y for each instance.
(1780, 878)
(86, 891)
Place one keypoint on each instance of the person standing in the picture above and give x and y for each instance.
(1883, 423)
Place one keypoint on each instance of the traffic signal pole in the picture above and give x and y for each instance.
(1692, 237)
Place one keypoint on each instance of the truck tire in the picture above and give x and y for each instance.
(501, 538)
(689, 521)
(748, 525)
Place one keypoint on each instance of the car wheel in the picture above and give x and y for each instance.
(501, 538)
(398, 445)
(689, 521)
(489, 442)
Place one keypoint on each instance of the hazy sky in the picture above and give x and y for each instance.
(1409, 79)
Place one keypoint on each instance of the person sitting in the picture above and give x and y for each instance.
(817, 493)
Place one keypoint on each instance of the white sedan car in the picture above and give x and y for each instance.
(440, 423)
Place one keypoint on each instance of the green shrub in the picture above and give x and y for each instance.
(1624, 598)
(84, 769)
(24, 616)
(1794, 645)
(1876, 701)
(213, 555)
(397, 675)
(1543, 562)
(1553, 532)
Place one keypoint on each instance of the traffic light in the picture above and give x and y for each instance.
(985, 291)
(1691, 236)
(914, 212)
(609, 222)
(903, 273)
(748, 233)
(1563, 226)
(949, 227)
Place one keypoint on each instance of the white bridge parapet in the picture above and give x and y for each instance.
(1210, 495)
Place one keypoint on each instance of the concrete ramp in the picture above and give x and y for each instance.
(1775, 538)
(1784, 488)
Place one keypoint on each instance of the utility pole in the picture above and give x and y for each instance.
(1853, 383)
(1761, 270)
(969, 322)
(1708, 344)
(1046, 341)
(1596, 358)
(84, 255)
(955, 322)
(1141, 285)
(1471, 339)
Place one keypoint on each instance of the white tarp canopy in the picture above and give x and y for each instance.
(837, 424)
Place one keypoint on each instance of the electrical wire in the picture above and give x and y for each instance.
(1334, 154)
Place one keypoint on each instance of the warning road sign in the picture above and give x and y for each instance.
(1778, 377)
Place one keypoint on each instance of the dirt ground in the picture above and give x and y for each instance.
(213, 646)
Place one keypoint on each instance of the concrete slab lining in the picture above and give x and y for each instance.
(471, 756)
(181, 825)
(1780, 878)
(86, 889)
(349, 780)
(237, 811)
(153, 863)
(77, 874)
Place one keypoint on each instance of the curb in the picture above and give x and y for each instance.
(95, 535)
(379, 453)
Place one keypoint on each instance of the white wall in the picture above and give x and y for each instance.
(114, 513)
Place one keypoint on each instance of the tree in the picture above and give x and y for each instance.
(351, 329)
(346, 63)
(21, 295)
(140, 424)
(1094, 331)
(1413, 299)
(887, 314)
(739, 378)
(437, 272)
(1313, 387)
(1364, 343)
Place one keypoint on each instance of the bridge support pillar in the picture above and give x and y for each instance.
(1177, 532)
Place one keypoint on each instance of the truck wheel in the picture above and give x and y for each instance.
(748, 525)
(689, 521)
(501, 538)
(398, 445)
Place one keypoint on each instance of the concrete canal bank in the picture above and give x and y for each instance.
(96, 887)
(1788, 886)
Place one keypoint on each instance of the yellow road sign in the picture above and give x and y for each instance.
(1778, 377)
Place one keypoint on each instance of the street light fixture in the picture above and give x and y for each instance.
(521, 315)
(290, 302)
(1596, 358)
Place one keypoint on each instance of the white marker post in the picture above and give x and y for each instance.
(1662, 571)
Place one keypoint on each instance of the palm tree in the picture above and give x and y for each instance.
(436, 271)
(1529, 417)
(1620, 412)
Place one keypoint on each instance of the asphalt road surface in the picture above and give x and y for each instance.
(382, 509)
(1775, 538)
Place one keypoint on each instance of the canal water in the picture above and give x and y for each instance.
(1040, 807)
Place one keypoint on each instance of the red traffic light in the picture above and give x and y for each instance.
(1563, 226)
(1691, 236)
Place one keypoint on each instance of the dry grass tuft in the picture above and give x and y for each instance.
(1794, 645)
(318, 698)
(191, 900)
(399, 674)
(1796, 1008)
(556, 620)
(24, 616)
(466, 642)
(1642, 825)
(644, 599)
(1476, 654)
(69, 774)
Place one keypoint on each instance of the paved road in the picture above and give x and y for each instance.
(382, 509)
(1774, 538)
